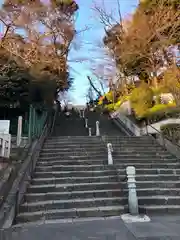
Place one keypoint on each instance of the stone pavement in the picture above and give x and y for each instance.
(160, 228)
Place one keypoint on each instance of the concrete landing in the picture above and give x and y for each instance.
(160, 228)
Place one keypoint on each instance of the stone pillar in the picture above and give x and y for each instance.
(9, 146)
(97, 129)
(2, 147)
(110, 150)
(80, 115)
(86, 123)
(132, 198)
(90, 134)
(19, 131)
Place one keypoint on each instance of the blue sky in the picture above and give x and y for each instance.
(88, 40)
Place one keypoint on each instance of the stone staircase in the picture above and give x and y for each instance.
(157, 172)
(72, 178)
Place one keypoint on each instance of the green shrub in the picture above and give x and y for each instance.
(171, 131)
(109, 107)
(141, 99)
(160, 107)
(120, 101)
(117, 105)
(162, 111)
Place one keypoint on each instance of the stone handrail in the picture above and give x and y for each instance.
(132, 127)
(173, 148)
(139, 131)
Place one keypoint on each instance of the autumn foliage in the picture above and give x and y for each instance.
(35, 42)
(145, 44)
(146, 50)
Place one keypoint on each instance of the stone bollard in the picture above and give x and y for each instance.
(97, 129)
(110, 150)
(86, 123)
(19, 131)
(90, 132)
(3, 146)
(132, 198)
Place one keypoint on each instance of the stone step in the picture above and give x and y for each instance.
(142, 154)
(105, 167)
(103, 211)
(74, 138)
(159, 209)
(73, 187)
(34, 197)
(99, 143)
(95, 139)
(70, 179)
(89, 141)
(70, 150)
(71, 162)
(157, 177)
(114, 177)
(70, 203)
(101, 147)
(143, 160)
(121, 173)
(73, 168)
(74, 144)
(158, 200)
(104, 137)
(84, 153)
(156, 171)
(117, 160)
(74, 173)
(158, 191)
(89, 157)
(150, 184)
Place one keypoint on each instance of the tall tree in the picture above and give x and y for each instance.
(46, 31)
(145, 46)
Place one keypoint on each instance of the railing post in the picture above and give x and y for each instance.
(110, 150)
(90, 134)
(30, 123)
(34, 123)
(132, 198)
(97, 129)
(19, 131)
(86, 123)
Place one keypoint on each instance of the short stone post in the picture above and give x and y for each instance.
(110, 150)
(9, 146)
(86, 123)
(132, 198)
(90, 132)
(97, 129)
(3, 145)
(19, 131)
